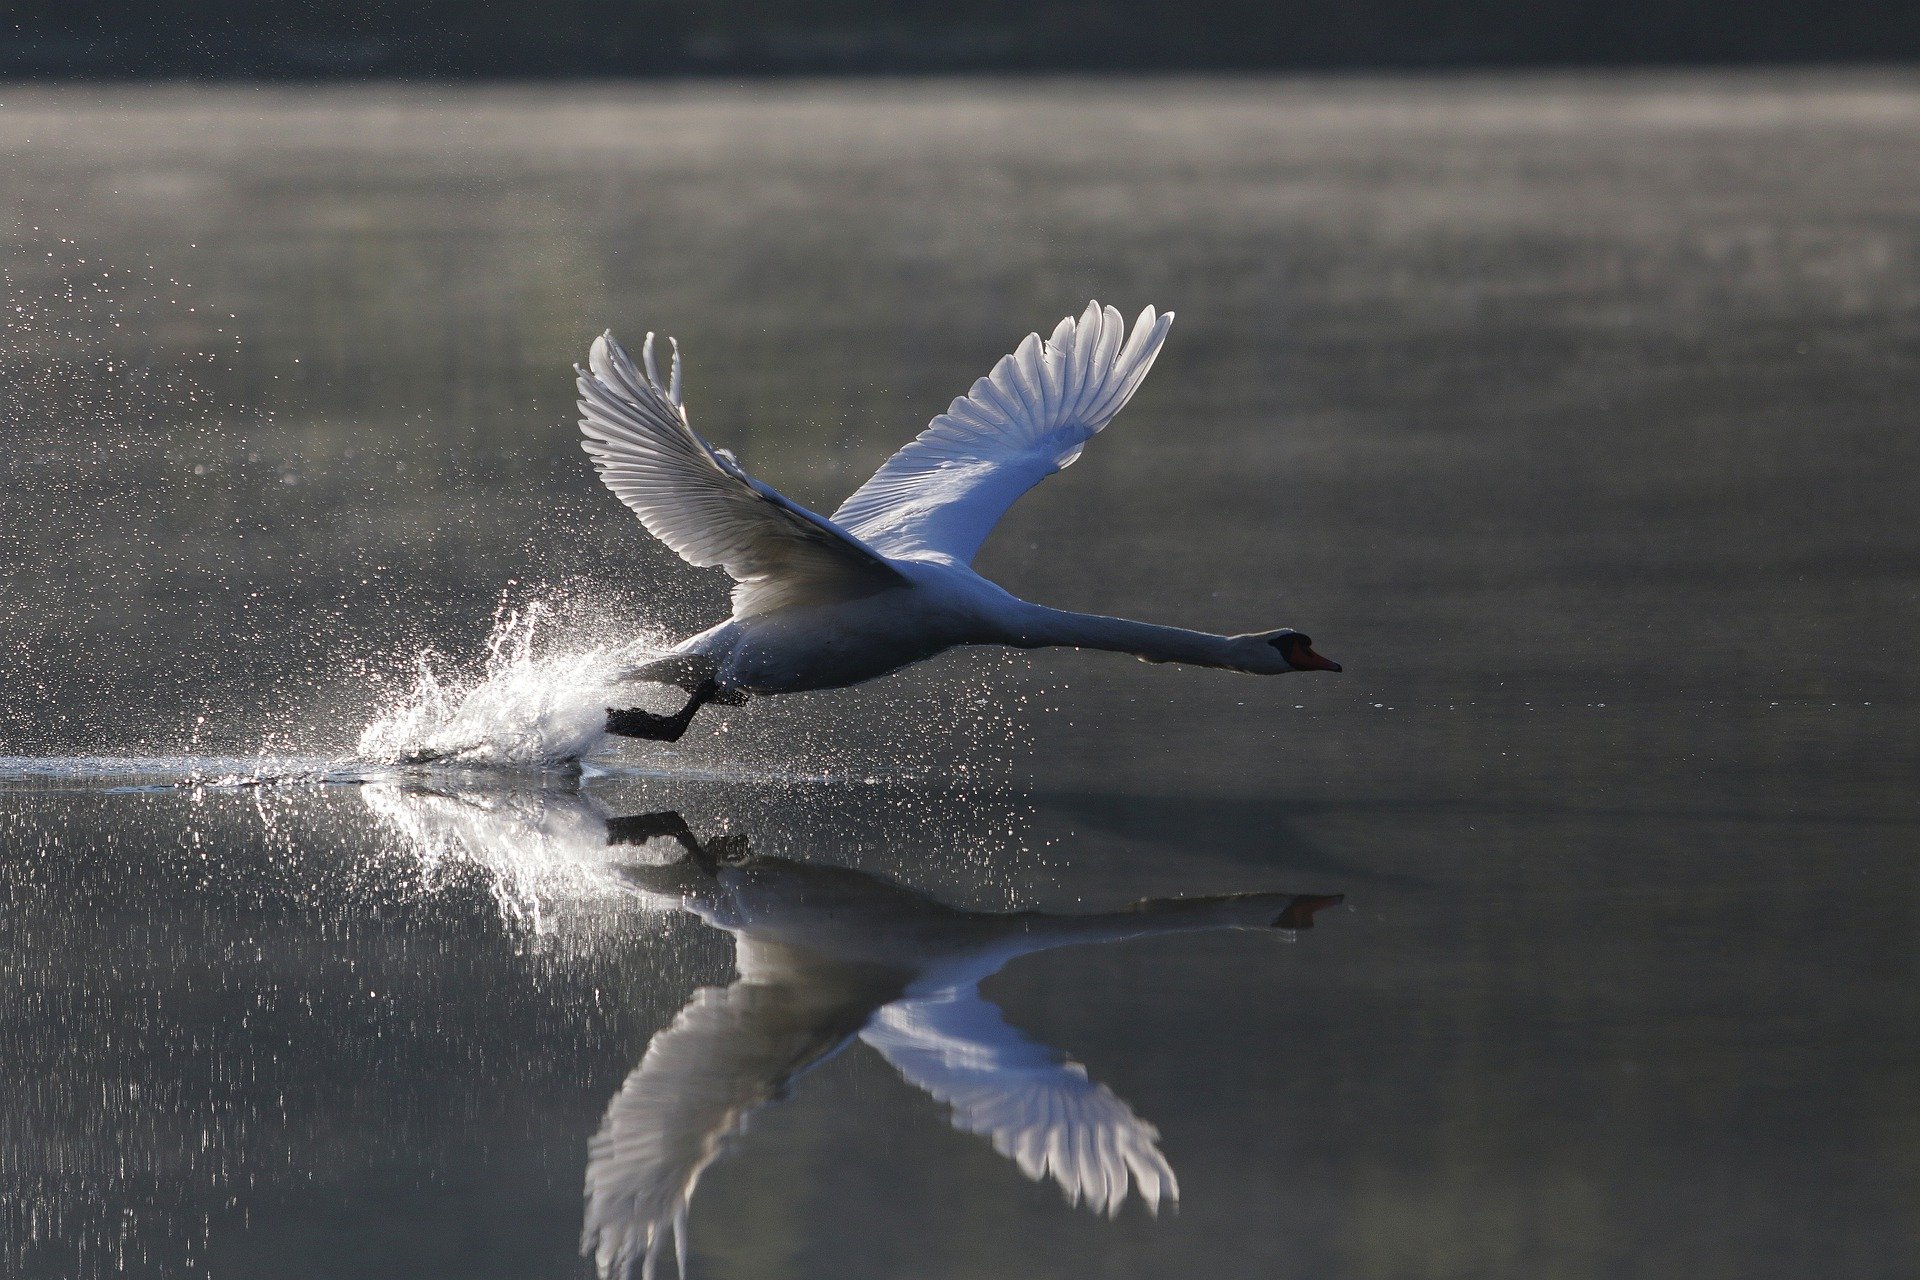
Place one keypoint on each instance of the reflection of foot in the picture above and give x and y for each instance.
(1299, 912)
(638, 828)
(731, 849)
(692, 870)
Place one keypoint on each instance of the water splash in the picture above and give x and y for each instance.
(934, 752)
(539, 701)
(543, 852)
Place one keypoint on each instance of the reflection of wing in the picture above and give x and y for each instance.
(1041, 1110)
(726, 1054)
(698, 501)
(729, 1051)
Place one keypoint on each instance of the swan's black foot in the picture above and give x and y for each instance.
(632, 722)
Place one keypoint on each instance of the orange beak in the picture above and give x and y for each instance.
(1305, 659)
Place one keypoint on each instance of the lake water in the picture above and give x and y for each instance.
(1574, 416)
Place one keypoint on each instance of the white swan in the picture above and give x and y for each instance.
(827, 955)
(823, 603)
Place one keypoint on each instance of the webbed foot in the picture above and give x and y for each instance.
(631, 722)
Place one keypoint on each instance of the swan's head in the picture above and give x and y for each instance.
(1270, 653)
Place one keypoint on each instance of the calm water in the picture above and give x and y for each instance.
(1574, 417)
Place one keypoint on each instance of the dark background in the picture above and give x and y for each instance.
(461, 38)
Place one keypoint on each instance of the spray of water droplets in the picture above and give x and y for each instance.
(537, 701)
(543, 853)
(552, 666)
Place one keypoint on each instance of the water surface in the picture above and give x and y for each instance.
(1573, 417)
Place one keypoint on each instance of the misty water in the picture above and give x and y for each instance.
(1575, 417)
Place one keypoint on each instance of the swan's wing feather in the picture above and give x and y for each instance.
(1027, 419)
(729, 1052)
(1039, 1109)
(699, 501)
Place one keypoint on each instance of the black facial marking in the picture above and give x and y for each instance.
(1291, 642)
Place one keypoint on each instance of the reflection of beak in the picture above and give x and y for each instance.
(1305, 659)
(1299, 912)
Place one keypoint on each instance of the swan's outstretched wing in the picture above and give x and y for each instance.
(729, 1051)
(1027, 419)
(698, 501)
(1040, 1110)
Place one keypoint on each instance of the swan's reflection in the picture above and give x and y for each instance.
(825, 955)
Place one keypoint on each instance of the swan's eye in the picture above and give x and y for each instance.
(1287, 643)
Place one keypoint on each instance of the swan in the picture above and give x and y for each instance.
(826, 602)
(829, 955)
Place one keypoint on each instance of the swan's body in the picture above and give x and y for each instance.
(887, 581)
(831, 645)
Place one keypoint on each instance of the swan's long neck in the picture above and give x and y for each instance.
(1038, 627)
(1029, 931)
